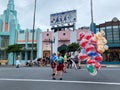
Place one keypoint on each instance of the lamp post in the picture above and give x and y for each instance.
(51, 41)
(33, 29)
(92, 22)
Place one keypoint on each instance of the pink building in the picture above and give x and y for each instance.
(61, 37)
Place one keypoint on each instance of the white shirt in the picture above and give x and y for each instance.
(18, 62)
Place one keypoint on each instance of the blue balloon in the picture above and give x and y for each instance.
(91, 54)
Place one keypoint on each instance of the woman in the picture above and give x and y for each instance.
(60, 66)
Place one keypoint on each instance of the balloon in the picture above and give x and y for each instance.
(99, 35)
(90, 68)
(94, 73)
(106, 47)
(91, 54)
(93, 41)
(103, 33)
(100, 48)
(89, 47)
(83, 42)
(82, 56)
(104, 40)
(81, 35)
(97, 65)
(89, 61)
(88, 36)
(98, 58)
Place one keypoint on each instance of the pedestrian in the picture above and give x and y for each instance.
(65, 62)
(18, 62)
(60, 66)
(69, 62)
(53, 64)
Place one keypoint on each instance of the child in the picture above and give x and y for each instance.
(18, 62)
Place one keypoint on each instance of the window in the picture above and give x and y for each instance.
(47, 34)
(4, 41)
(64, 33)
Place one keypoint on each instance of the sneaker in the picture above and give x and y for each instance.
(54, 78)
(60, 78)
(53, 74)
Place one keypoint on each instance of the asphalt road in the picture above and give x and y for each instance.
(39, 78)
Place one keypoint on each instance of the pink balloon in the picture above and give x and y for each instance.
(89, 47)
(83, 42)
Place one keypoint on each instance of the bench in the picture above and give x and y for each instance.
(3, 62)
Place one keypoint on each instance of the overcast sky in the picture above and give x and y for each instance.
(103, 10)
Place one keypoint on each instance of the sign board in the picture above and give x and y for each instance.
(63, 18)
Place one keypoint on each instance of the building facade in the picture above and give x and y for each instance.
(11, 33)
(112, 34)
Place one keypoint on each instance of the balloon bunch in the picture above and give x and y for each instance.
(93, 45)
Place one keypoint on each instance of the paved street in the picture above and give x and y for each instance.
(39, 78)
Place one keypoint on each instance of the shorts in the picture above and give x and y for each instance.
(53, 65)
(60, 67)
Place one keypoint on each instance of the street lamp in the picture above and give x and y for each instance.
(51, 41)
(33, 29)
(92, 22)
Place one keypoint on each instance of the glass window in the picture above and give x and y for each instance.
(115, 26)
(102, 28)
(109, 30)
(109, 27)
(21, 31)
(4, 41)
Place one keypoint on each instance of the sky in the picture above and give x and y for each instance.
(103, 10)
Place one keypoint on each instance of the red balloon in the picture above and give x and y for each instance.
(88, 36)
(98, 58)
(91, 61)
(83, 42)
(97, 65)
(82, 56)
(89, 47)
(81, 35)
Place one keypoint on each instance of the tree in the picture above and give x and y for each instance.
(63, 49)
(14, 49)
(73, 47)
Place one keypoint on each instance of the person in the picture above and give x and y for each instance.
(60, 61)
(29, 63)
(18, 62)
(77, 61)
(53, 64)
(65, 62)
(69, 62)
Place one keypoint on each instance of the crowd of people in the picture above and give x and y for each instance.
(58, 62)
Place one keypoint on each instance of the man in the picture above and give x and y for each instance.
(53, 64)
